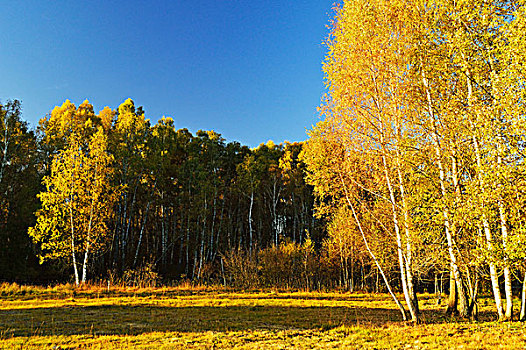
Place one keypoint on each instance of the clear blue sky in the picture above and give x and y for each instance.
(250, 70)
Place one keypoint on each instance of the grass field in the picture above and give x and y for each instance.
(167, 318)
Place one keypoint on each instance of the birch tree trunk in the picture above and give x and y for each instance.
(250, 234)
(6, 147)
(401, 260)
(452, 301)
(373, 256)
(73, 255)
(487, 232)
(507, 273)
(88, 241)
(485, 223)
(463, 304)
(141, 233)
(522, 316)
(408, 254)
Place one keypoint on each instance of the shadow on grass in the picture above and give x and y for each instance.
(134, 320)
(219, 294)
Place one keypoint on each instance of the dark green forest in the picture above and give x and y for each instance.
(185, 207)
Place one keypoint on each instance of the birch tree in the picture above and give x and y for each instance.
(77, 202)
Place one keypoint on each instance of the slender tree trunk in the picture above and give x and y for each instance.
(212, 228)
(473, 308)
(522, 316)
(351, 275)
(462, 295)
(445, 212)
(141, 234)
(6, 146)
(274, 203)
(452, 301)
(487, 231)
(458, 202)
(187, 265)
(504, 225)
(85, 263)
(344, 273)
(373, 256)
(408, 254)
(203, 238)
(436, 285)
(250, 223)
(294, 211)
(401, 260)
(181, 240)
(485, 223)
(507, 273)
(163, 233)
(174, 235)
(88, 242)
(223, 272)
(126, 235)
(125, 230)
(219, 229)
(73, 255)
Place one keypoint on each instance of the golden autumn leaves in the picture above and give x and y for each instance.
(423, 140)
(78, 199)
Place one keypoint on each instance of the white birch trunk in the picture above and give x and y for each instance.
(141, 234)
(6, 146)
(408, 253)
(401, 262)
(88, 242)
(373, 256)
(73, 253)
(487, 232)
(445, 212)
(75, 270)
(250, 235)
(485, 223)
(522, 316)
(507, 273)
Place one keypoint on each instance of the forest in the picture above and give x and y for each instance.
(413, 181)
(108, 195)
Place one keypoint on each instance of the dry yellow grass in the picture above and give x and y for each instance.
(171, 318)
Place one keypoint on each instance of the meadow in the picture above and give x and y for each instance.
(65, 317)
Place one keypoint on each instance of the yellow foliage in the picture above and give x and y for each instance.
(78, 201)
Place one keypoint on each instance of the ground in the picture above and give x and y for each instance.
(64, 317)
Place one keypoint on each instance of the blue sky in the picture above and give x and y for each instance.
(250, 70)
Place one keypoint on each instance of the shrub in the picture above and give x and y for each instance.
(240, 270)
(142, 277)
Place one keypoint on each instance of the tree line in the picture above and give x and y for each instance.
(91, 196)
(109, 192)
(421, 152)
